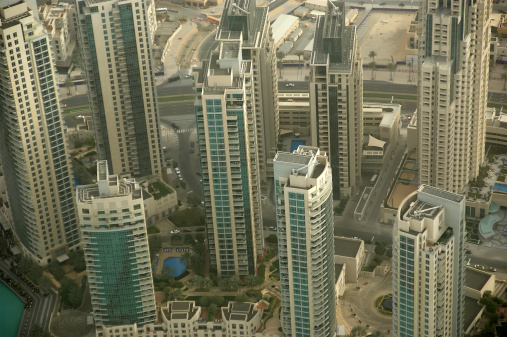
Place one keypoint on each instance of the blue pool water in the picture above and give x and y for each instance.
(295, 144)
(500, 187)
(11, 310)
(177, 267)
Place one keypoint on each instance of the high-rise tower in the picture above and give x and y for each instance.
(117, 57)
(32, 143)
(115, 244)
(336, 98)
(428, 264)
(304, 207)
(229, 160)
(454, 38)
(241, 19)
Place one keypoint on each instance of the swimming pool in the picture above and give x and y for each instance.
(11, 311)
(295, 144)
(500, 187)
(177, 267)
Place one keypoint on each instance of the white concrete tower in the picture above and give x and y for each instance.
(454, 38)
(113, 231)
(33, 152)
(336, 98)
(428, 265)
(304, 207)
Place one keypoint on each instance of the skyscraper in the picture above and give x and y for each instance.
(117, 57)
(304, 207)
(336, 98)
(243, 17)
(428, 264)
(32, 145)
(454, 38)
(115, 244)
(229, 159)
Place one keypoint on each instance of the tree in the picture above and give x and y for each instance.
(206, 284)
(279, 63)
(77, 260)
(372, 55)
(361, 3)
(155, 243)
(193, 199)
(358, 331)
(382, 4)
(377, 333)
(372, 65)
(25, 264)
(380, 249)
(196, 281)
(199, 237)
(44, 283)
(167, 271)
(212, 309)
(188, 239)
(272, 239)
(242, 298)
(68, 84)
(251, 281)
(197, 262)
(401, 5)
(185, 258)
(4, 246)
(299, 53)
(230, 283)
(56, 270)
(36, 331)
(391, 68)
(199, 248)
(503, 77)
(70, 292)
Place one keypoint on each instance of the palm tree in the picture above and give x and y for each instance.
(185, 258)
(391, 68)
(409, 64)
(377, 333)
(361, 3)
(196, 281)
(382, 4)
(206, 283)
(279, 63)
(233, 283)
(372, 65)
(372, 55)
(68, 84)
(401, 5)
(503, 77)
(44, 283)
(36, 330)
(358, 331)
(251, 281)
(299, 53)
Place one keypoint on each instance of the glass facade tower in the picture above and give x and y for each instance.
(115, 244)
(304, 209)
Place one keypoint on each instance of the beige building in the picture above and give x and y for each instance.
(496, 128)
(452, 92)
(160, 200)
(336, 96)
(477, 283)
(33, 151)
(429, 264)
(283, 27)
(381, 128)
(184, 318)
(115, 244)
(350, 253)
(294, 113)
(60, 21)
(339, 273)
(258, 46)
(116, 46)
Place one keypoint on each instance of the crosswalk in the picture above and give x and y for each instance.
(184, 130)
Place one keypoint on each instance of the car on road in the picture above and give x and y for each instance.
(289, 85)
(272, 228)
(491, 269)
(202, 203)
(64, 105)
(468, 251)
(175, 231)
(188, 76)
(187, 230)
(198, 173)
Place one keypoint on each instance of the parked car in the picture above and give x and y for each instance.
(188, 76)
(187, 230)
(491, 269)
(289, 85)
(175, 231)
(272, 228)
(468, 251)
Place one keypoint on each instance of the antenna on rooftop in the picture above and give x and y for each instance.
(416, 213)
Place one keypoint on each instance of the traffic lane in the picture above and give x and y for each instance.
(181, 108)
(362, 233)
(388, 87)
(186, 162)
(297, 86)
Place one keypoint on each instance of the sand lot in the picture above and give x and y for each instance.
(386, 38)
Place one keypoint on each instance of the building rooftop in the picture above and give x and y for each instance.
(287, 157)
(420, 209)
(439, 193)
(472, 309)
(239, 311)
(346, 247)
(282, 25)
(476, 279)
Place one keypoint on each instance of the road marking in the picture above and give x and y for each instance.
(184, 130)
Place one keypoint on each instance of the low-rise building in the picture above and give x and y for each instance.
(349, 252)
(294, 112)
(295, 35)
(283, 26)
(59, 19)
(477, 282)
(496, 127)
(184, 318)
(159, 199)
(339, 273)
(381, 129)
